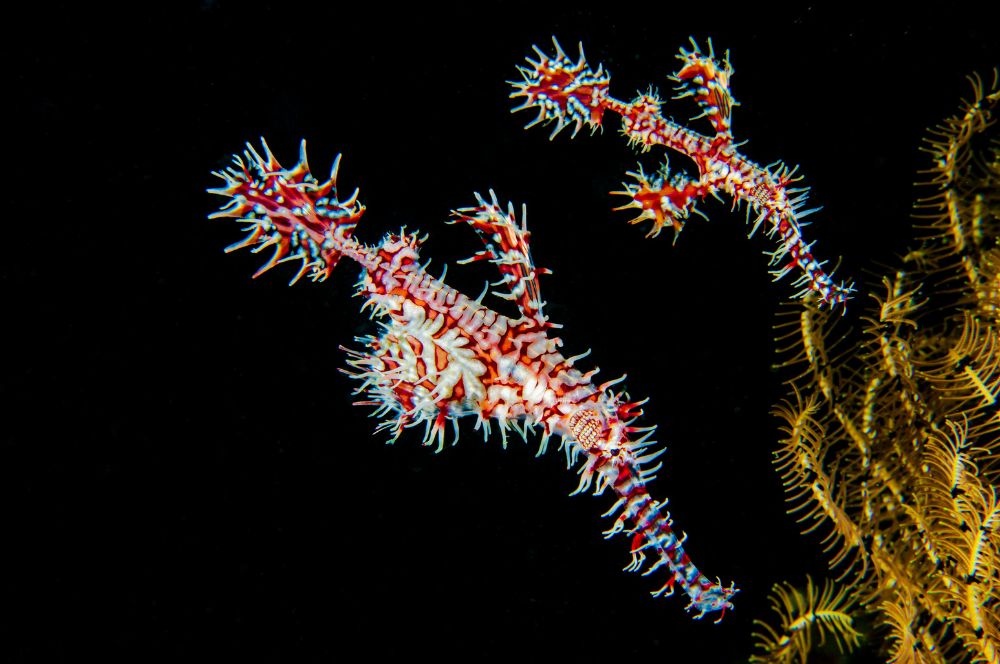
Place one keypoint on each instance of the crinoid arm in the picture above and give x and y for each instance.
(889, 444)
(803, 616)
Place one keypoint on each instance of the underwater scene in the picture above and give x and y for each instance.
(543, 332)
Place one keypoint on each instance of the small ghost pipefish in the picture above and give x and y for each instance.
(568, 93)
(441, 355)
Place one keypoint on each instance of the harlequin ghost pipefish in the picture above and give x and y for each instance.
(569, 93)
(441, 355)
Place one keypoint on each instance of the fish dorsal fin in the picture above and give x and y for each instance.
(507, 247)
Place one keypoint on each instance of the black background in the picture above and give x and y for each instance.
(183, 474)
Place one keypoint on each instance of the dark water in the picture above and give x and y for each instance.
(184, 476)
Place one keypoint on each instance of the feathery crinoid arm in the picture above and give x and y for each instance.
(802, 617)
(569, 93)
(891, 434)
(965, 512)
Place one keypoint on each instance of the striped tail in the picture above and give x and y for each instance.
(651, 532)
(289, 210)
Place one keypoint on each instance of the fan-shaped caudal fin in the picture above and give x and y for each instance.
(507, 247)
(290, 210)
